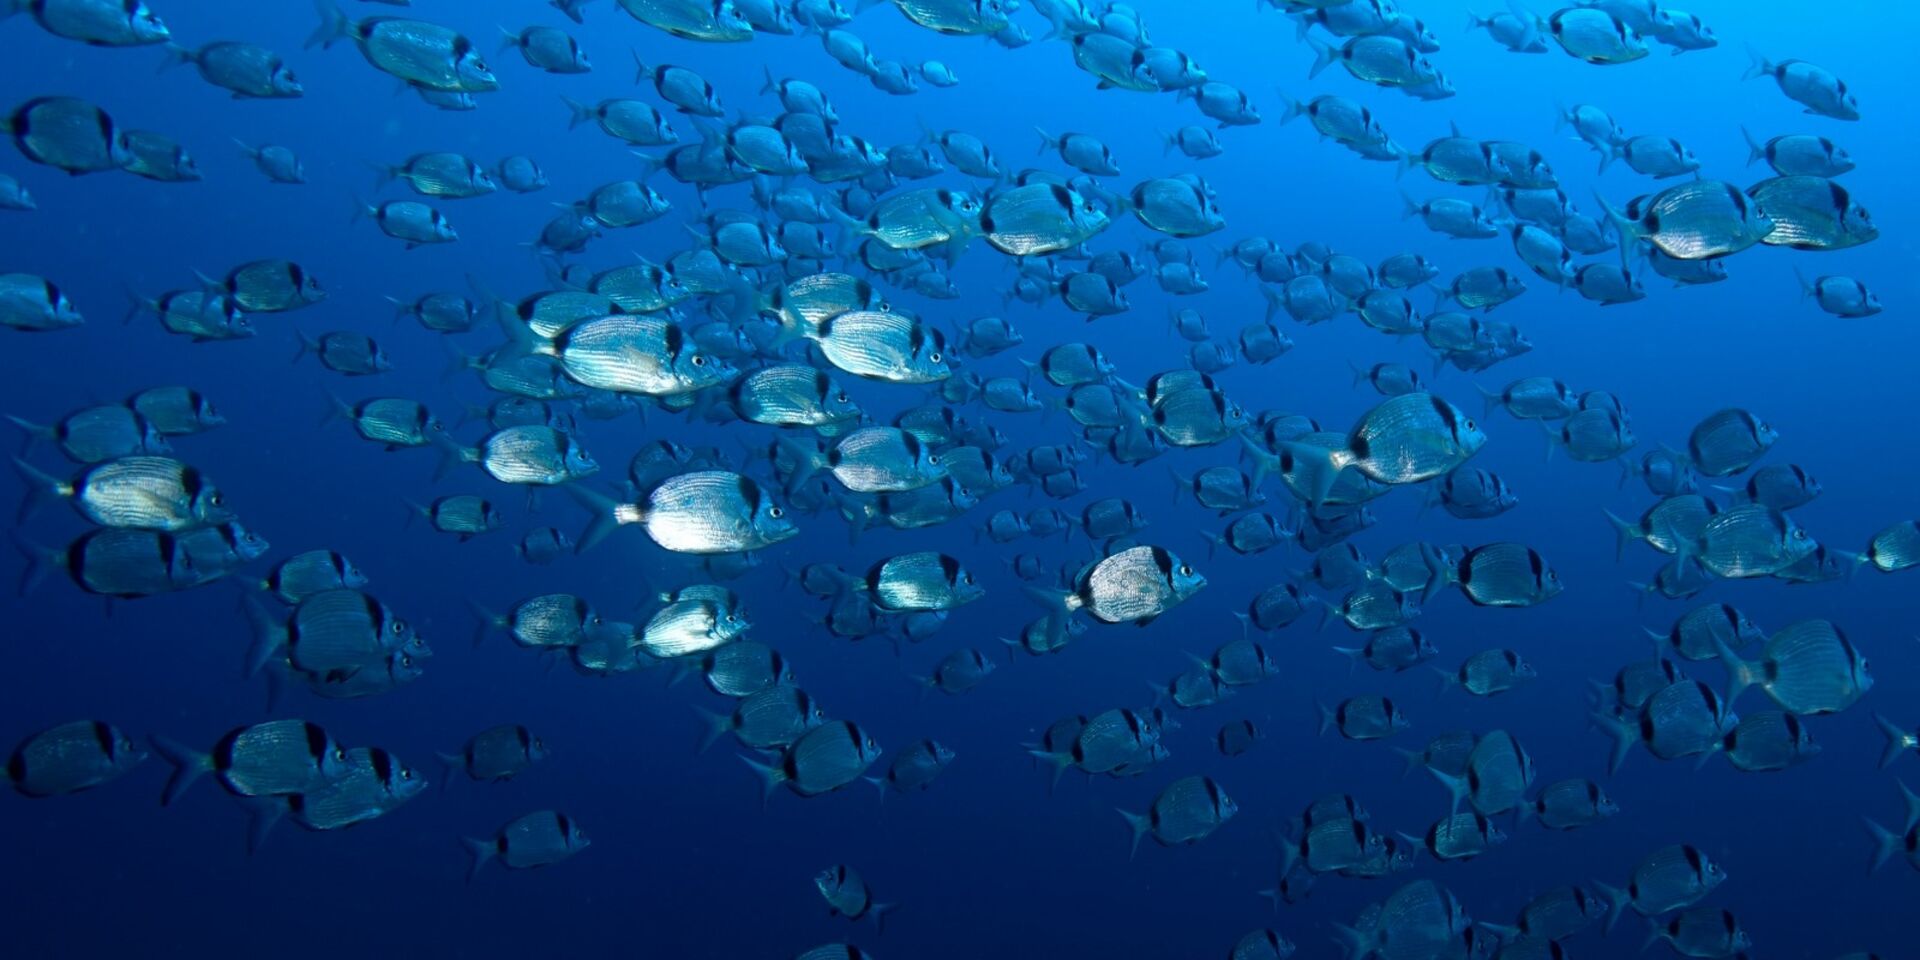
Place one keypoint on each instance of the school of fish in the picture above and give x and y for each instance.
(802, 327)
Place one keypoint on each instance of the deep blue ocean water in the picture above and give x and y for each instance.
(684, 861)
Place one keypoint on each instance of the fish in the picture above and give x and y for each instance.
(1812, 213)
(69, 134)
(1699, 220)
(71, 758)
(847, 895)
(423, 55)
(915, 767)
(1671, 878)
(1186, 811)
(1813, 86)
(1570, 805)
(275, 758)
(822, 760)
(1368, 717)
(496, 754)
(538, 839)
(1808, 668)
(1136, 585)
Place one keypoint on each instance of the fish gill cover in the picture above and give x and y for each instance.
(699, 479)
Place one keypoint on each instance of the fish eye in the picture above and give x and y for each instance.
(1470, 425)
(699, 361)
(776, 513)
(935, 357)
(1799, 534)
(339, 754)
(1186, 570)
(406, 774)
(216, 500)
(398, 627)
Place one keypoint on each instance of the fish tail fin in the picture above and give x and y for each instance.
(1806, 288)
(1323, 56)
(1246, 623)
(1898, 741)
(305, 346)
(879, 912)
(771, 777)
(1276, 301)
(717, 725)
(188, 765)
(35, 560)
(481, 851)
(1758, 65)
(1448, 680)
(1913, 805)
(1265, 462)
(1140, 824)
(334, 26)
(450, 764)
(34, 433)
(581, 112)
(1047, 141)
(1885, 844)
(1413, 760)
(173, 55)
(1623, 534)
(269, 636)
(1214, 541)
(1351, 943)
(1295, 108)
(1552, 438)
(808, 460)
(262, 814)
(1655, 934)
(1354, 655)
(1409, 207)
(1756, 151)
(608, 515)
(383, 174)
(509, 40)
(42, 489)
(1327, 463)
(1624, 737)
(1616, 903)
(1629, 230)
(1502, 931)
(1059, 606)
(1741, 674)
(484, 622)
(1060, 761)
(1327, 718)
(880, 785)
(1612, 152)
(1457, 790)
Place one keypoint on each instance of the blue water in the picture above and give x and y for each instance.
(684, 861)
